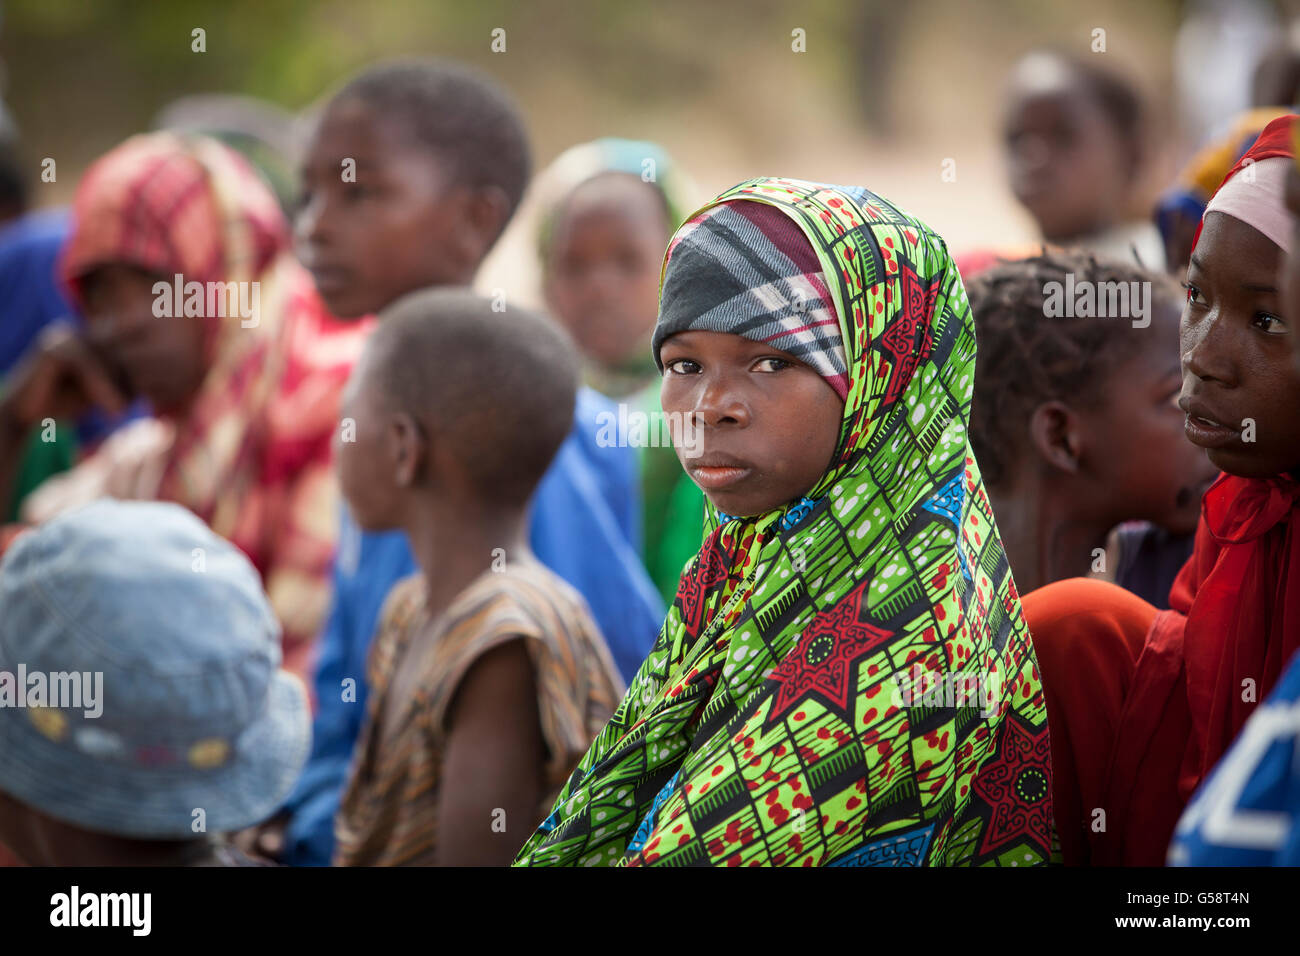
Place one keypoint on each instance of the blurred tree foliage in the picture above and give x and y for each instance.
(86, 73)
(80, 75)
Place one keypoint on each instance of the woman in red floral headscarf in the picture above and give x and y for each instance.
(242, 370)
(1142, 704)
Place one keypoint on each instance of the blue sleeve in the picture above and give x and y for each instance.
(309, 837)
(365, 569)
(579, 523)
(1247, 812)
(599, 436)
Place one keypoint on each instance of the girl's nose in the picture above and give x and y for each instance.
(720, 403)
(309, 226)
(1207, 351)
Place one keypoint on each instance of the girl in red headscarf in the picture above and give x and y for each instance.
(1142, 704)
(180, 259)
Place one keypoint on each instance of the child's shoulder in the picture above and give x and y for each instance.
(404, 604)
(528, 596)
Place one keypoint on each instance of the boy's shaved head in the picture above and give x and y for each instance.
(463, 117)
(496, 388)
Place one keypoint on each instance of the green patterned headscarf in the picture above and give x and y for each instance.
(846, 680)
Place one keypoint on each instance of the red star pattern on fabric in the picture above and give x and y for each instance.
(822, 661)
(899, 340)
(1018, 787)
(693, 588)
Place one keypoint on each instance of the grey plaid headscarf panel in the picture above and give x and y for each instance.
(746, 268)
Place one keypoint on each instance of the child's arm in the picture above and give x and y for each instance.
(493, 766)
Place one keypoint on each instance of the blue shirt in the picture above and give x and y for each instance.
(584, 528)
(31, 295)
(1247, 812)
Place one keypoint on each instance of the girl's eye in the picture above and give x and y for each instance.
(682, 367)
(1193, 293)
(773, 364)
(1271, 324)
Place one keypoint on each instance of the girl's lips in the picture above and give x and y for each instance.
(1209, 434)
(714, 478)
(329, 278)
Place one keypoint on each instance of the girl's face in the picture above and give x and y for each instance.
(162, 359)
(1148, 467)
(399, 224)
(602, 270)
(1241, 391)
(767, 423)
(363, 453)
(1066, 161)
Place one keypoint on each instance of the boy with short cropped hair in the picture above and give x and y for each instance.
(412, 173)
(488, 677)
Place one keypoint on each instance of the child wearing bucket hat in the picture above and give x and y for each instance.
(143, 710)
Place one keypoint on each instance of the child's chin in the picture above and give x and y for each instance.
(737, 508)
(1235, 461)
(346, 307)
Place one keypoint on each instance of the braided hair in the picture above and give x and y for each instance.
(1026, 358)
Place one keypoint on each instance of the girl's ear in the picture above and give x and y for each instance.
(409, 449)
(1056, 433)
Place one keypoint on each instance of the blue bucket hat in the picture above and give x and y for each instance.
(164, 630)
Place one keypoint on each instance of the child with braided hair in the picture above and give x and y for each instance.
(1075, 421)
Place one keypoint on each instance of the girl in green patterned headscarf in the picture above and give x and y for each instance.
(844, 677)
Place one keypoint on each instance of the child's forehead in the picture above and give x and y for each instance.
(719, 342)
(1044, 75)
(615, 197)
(1063, 104)
(353, 128)
(1234, 250)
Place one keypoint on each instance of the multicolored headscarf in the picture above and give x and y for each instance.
(806, 702)
(745, 268)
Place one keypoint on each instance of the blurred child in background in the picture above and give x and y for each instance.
(1075, 422)
(1075, 150)
(409, 178)
(488, 677)
(608, 208)
(243, 404)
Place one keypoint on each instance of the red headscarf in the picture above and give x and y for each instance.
(250, 453)
(1276, 140)
(172, 204)
(178, 205)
